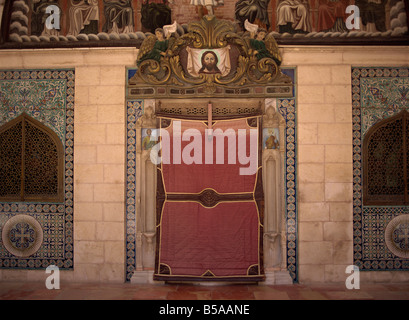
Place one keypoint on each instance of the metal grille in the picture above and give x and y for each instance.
(10, 161)
(386, 167)
(202, 111)
(40, 163)
(29, 162)
(406, 156)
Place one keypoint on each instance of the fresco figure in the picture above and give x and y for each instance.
(208, 4)
(119, 16)
(332, 16)
(255, 11)
(81, 14)
(293, 16)
(155, 14)
(208, 61)
(39, 17)
(372, 14)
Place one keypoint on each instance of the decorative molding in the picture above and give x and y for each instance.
(221, 109)
(171, 74)
(289, 225)
(15, 31)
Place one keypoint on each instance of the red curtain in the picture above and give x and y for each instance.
(217, 242)
(222, 240)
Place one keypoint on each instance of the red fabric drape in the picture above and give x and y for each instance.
(197, 241)
(223, 239)
(193, 178)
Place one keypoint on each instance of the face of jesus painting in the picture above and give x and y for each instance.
(209, 63)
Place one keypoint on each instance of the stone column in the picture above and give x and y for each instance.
(145, 200)
(274, 211)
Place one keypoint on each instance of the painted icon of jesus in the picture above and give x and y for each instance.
(209, 63)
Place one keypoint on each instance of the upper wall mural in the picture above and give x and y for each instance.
(74, 23)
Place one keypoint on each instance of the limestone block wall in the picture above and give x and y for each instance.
(325, 230)
(99, 151)
(324, 115)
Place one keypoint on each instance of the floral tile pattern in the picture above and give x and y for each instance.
(47, 96)
(377, 93)
(134, 109)
(287, 108)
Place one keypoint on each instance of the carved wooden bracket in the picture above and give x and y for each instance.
(169, 73)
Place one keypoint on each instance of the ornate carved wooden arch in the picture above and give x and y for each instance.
(249, 76)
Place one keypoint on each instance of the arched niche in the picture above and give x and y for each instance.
(33, 161)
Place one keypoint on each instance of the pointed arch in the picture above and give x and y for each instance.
(31, 161)
(385, 162)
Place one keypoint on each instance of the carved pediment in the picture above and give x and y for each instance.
(210, 60)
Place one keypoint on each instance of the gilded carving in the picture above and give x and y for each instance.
(209, 60)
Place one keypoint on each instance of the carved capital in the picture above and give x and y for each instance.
(149, 237)
(270, 118)
(148, 119)
(271, 236)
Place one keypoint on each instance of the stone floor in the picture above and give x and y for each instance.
(127, 291)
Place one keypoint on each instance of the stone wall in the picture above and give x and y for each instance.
(325, 157)
(324, 114)
(99, 153)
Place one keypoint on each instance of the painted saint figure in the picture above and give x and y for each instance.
(255, 11)
(373, 14)
(147, 143)
(208, 4)
(39, 17)
(154, 47)
(82, 14)
(155, 14)
(264, 48)
(331, 16)
(271, 141)
(293, 16)
(118, 16)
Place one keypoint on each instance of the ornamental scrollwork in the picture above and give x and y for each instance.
(210, 59)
